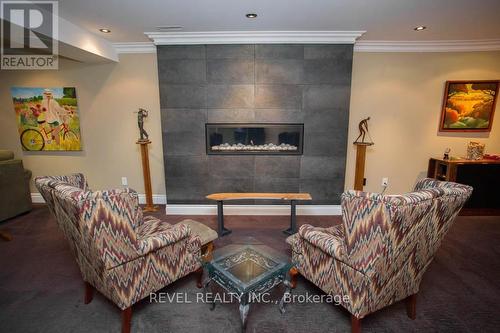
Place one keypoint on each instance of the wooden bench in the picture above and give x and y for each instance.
(292, 197)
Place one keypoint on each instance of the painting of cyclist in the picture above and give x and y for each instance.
(53, 112)
(47, 118)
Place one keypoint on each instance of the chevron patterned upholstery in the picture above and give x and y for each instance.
(122, 254)
(379, 253)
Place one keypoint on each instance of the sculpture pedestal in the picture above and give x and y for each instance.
(359, 175)
(147, 176)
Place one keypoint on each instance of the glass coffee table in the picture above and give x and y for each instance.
(248, 271)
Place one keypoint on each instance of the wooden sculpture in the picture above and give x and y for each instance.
(363, 131)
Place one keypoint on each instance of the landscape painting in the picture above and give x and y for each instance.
(469, 106)
(47, 118)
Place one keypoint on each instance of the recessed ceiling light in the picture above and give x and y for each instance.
(251, 15)
(420, 28)
(106, 31)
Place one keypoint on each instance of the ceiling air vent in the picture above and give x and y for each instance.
(169, 28)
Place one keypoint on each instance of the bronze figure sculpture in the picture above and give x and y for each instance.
(140, 122)
(363, 131)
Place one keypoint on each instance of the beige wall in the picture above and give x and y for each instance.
(108, 94)
(402, 92)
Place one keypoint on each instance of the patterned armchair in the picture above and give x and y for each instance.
(379, 253)
(122, 254)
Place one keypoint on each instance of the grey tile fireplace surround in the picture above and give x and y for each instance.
(267, 83)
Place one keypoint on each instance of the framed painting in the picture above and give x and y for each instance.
(468, 106)
(47, 118)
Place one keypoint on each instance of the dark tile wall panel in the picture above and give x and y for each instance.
(228, 96)
(307, 84)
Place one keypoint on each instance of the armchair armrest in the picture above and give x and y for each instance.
(153, 234)
(426, 183)
(447, 187)
(329, 240)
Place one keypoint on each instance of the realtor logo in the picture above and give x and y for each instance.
(29, 35)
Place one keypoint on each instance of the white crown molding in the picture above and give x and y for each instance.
(135, 47)
(360, 46)
(254, 37)
(428, 46)
(158, 199)
(178, 209)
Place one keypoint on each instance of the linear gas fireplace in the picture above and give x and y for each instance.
(262, 139)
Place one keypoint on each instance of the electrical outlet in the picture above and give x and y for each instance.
(385, 181)
(124, 181)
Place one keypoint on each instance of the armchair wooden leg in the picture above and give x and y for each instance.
(199, 277)
(5, 236)
(206, 251)
(411, 306)
(89, 293)
(294, 273)
(355, 324)
(126, 319)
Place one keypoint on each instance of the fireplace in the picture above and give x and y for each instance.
(254, 139)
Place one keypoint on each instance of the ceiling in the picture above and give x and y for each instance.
(391, 20)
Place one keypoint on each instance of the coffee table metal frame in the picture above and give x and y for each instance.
(275, 265)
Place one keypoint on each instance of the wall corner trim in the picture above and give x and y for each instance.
(254, 37)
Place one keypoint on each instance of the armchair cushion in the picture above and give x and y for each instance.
(153, 234)
(329, 240)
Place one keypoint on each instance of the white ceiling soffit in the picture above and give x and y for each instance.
(79, 44)
(254, 37)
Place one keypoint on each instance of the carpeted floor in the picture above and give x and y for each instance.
(41, 289)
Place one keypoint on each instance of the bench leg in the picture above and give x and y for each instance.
(222, 231)
(293, 219)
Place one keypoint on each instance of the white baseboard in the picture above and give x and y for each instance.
(178, 209)
(37, 198)
(158, 199)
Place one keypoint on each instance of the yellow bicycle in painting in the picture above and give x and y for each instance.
(34, 139)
